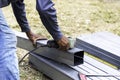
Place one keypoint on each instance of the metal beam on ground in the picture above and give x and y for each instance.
(59, 71)
(71, 57)
(102, 46)
(94, 67)
(54, 70)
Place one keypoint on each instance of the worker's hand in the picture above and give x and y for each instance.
(34, 37)
(63, 43)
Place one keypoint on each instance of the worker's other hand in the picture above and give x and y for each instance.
(34, 37)
(63, 43)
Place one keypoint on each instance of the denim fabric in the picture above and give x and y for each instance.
(8, 59)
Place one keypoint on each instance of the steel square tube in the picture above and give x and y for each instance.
(52, 69)
(71, 57)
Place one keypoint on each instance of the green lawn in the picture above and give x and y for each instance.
(75, 17)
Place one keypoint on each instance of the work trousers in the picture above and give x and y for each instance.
(8, 59)
(48, 17)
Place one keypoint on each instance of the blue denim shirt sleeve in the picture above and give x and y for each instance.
(20, 14)
(49, 18)
(47, 14)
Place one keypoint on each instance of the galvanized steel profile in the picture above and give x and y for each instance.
(103, 45)
(71, 57)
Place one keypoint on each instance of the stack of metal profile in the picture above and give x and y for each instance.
(71, 57)
(59, 70)
(103, 45)
(48, 59)
(53, 69)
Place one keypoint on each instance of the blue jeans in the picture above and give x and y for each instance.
(8, 59)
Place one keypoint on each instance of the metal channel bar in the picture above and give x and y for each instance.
(52, 69)
(109, 36)
(111, 48)
(71, 57)
(96, 71)
(93, 70)
(98, 52)
(102, 67)
(92, 66)
(84, 71)
(81, 71)
(104, 45)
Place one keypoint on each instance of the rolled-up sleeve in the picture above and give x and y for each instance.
(20, 14)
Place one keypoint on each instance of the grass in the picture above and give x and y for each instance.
(75, 18)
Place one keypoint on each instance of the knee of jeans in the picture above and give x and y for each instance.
(7, 75)
(11, 40)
